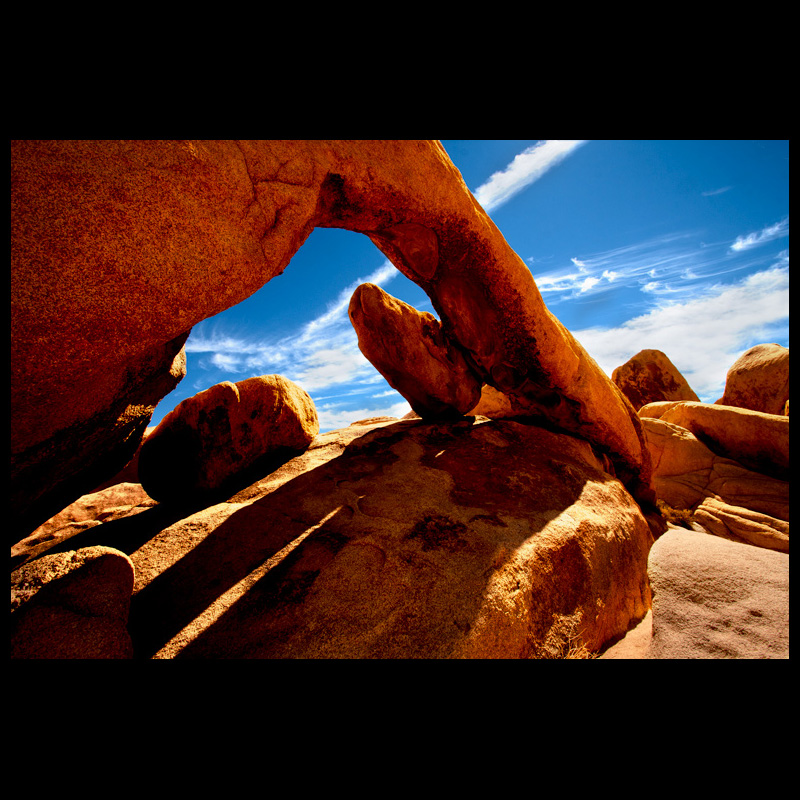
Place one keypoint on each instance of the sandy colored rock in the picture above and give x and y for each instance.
(650, 377)
(759, 380)
(72, 605)
(714, 598)
(686, 472)
(743, 525)
(657, 409)
(224, 431)
(635, 644)
(410, 350)
(141, 240)
(757, 440)
(97, 505)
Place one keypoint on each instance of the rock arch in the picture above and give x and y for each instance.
(119, 247)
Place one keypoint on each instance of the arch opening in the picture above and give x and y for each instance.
(296, 325)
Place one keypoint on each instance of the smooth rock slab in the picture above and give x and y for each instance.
(757, 440)
(686, 472)
(713, 598)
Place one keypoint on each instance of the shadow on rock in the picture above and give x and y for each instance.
(467, 539)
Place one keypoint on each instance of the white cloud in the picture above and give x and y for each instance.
(670, 264)
(704, 335)
(226, 361)
(714, 192)
(527, 167)
(776, 231)
(326, 367)
(334, 416)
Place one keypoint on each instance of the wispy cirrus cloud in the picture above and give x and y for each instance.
(674, 263)
(751, 240)
(715, 192)
(704, 334)
(323, 355)
(526, 168)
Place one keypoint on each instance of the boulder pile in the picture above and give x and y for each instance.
(524, 529)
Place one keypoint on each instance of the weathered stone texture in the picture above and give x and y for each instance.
(650, 377)
(140, 240)
(759, 380)
(72, 605)
(224, 431)
(410, 350)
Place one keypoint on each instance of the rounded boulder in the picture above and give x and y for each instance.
(218, 434)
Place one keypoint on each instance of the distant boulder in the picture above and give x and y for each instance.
(757, 440)
(743, 525)
(759, 380)
(224, 431)
(650, 377)
(748, 506)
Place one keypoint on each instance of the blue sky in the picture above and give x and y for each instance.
(679, 246)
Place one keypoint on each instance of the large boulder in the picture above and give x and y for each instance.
(650, 377)
(756, 440)
(224, 432)
(759, 380)
(72, 605)
(749, 506)
(119, 247)
(398, 539)
(714, 598)
(410, 350)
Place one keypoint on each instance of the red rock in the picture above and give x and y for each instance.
(410, 350)
(72, 605)
(394, 540)
(224, 431)
(650, 377)
(141, 240)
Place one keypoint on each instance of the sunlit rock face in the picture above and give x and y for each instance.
(409, 349)
(471, 538)
(210, 438)
(119, 247)
(759, 380)
(650, 377)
